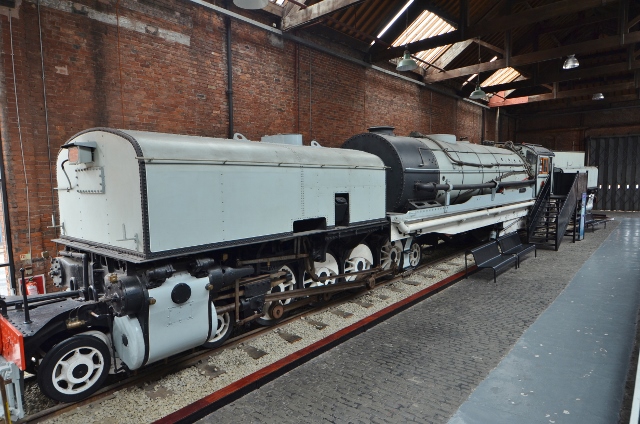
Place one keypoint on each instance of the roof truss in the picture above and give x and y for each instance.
(305, 15)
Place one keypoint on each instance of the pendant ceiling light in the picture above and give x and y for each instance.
(251, 4)
(406, 64)
(478, 93)
(598, 96)
(571, 62)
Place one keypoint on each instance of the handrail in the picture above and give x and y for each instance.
(537, 211)
(566, 211)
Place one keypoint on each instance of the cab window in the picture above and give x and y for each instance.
(544, 165)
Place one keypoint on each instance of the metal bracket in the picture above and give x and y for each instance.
(10, 387)
(125, 238)
(447, 198)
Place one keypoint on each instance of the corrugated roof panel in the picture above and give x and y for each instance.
(427, 25)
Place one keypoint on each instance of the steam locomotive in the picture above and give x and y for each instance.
(171, 241)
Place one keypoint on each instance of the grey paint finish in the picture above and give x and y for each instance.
(570, 366)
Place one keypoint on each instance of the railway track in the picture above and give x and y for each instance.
(154, 373)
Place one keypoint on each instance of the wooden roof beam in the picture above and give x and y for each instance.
(539, 56)
(491, 26)
(560, 76)
(567, 94)
(315, 12)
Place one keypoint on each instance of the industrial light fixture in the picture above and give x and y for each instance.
(598, 96)
(406, 64)
(251, 4)
(571, 62)
(478, 93)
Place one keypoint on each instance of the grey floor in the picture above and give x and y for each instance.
(461, 353)
(570, 366)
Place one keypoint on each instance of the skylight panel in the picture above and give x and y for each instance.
(475, 75)
(427, 25)
(395, 18)
(501, 76)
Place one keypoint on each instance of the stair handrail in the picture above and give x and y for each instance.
(537, 210)
(566, 211)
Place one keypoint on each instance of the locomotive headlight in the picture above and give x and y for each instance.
(80, 151)
(79, 154)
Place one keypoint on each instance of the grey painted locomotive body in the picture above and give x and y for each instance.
(171, 240)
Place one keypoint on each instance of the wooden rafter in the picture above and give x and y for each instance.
(567, 94)
(591, 46)
(315, 12)
(559, 76)
(448, 56)
(500, 23)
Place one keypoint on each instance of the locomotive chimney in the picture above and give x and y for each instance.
(382, 129)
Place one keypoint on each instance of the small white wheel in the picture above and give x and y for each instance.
(391, 253)
(224, 327)
(74, 369)
(323, 269)
(267, 319)
(358, 259)
(415, 254)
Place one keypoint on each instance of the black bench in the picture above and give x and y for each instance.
(593, 219)
(512, 245)
(488, 256)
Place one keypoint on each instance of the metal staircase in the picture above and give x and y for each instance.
(551, 215)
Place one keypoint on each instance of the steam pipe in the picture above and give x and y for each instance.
(432, 187)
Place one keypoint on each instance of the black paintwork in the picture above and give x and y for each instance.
(408, 161)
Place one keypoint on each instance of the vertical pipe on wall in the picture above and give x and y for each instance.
(7, 223)
(498, 125)
(46, 114)
(4, 134)
(119, 61)
(482, 128)
(310, 103)
(227, 22)
(24, 165)
(296, 80)
(431, 113)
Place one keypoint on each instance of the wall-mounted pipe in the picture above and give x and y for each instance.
(302, 41)
(227, 23)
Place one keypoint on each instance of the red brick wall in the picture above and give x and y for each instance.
(171, 76)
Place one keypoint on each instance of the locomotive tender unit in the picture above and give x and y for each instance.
(170, 241)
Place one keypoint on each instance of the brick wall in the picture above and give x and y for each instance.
(165, 70)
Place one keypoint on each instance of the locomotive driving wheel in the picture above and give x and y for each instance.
(358, 259)
(322, 269)
(391, 253)
(272, 313)
(223, 328)
(74, 369)
(415, 254)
